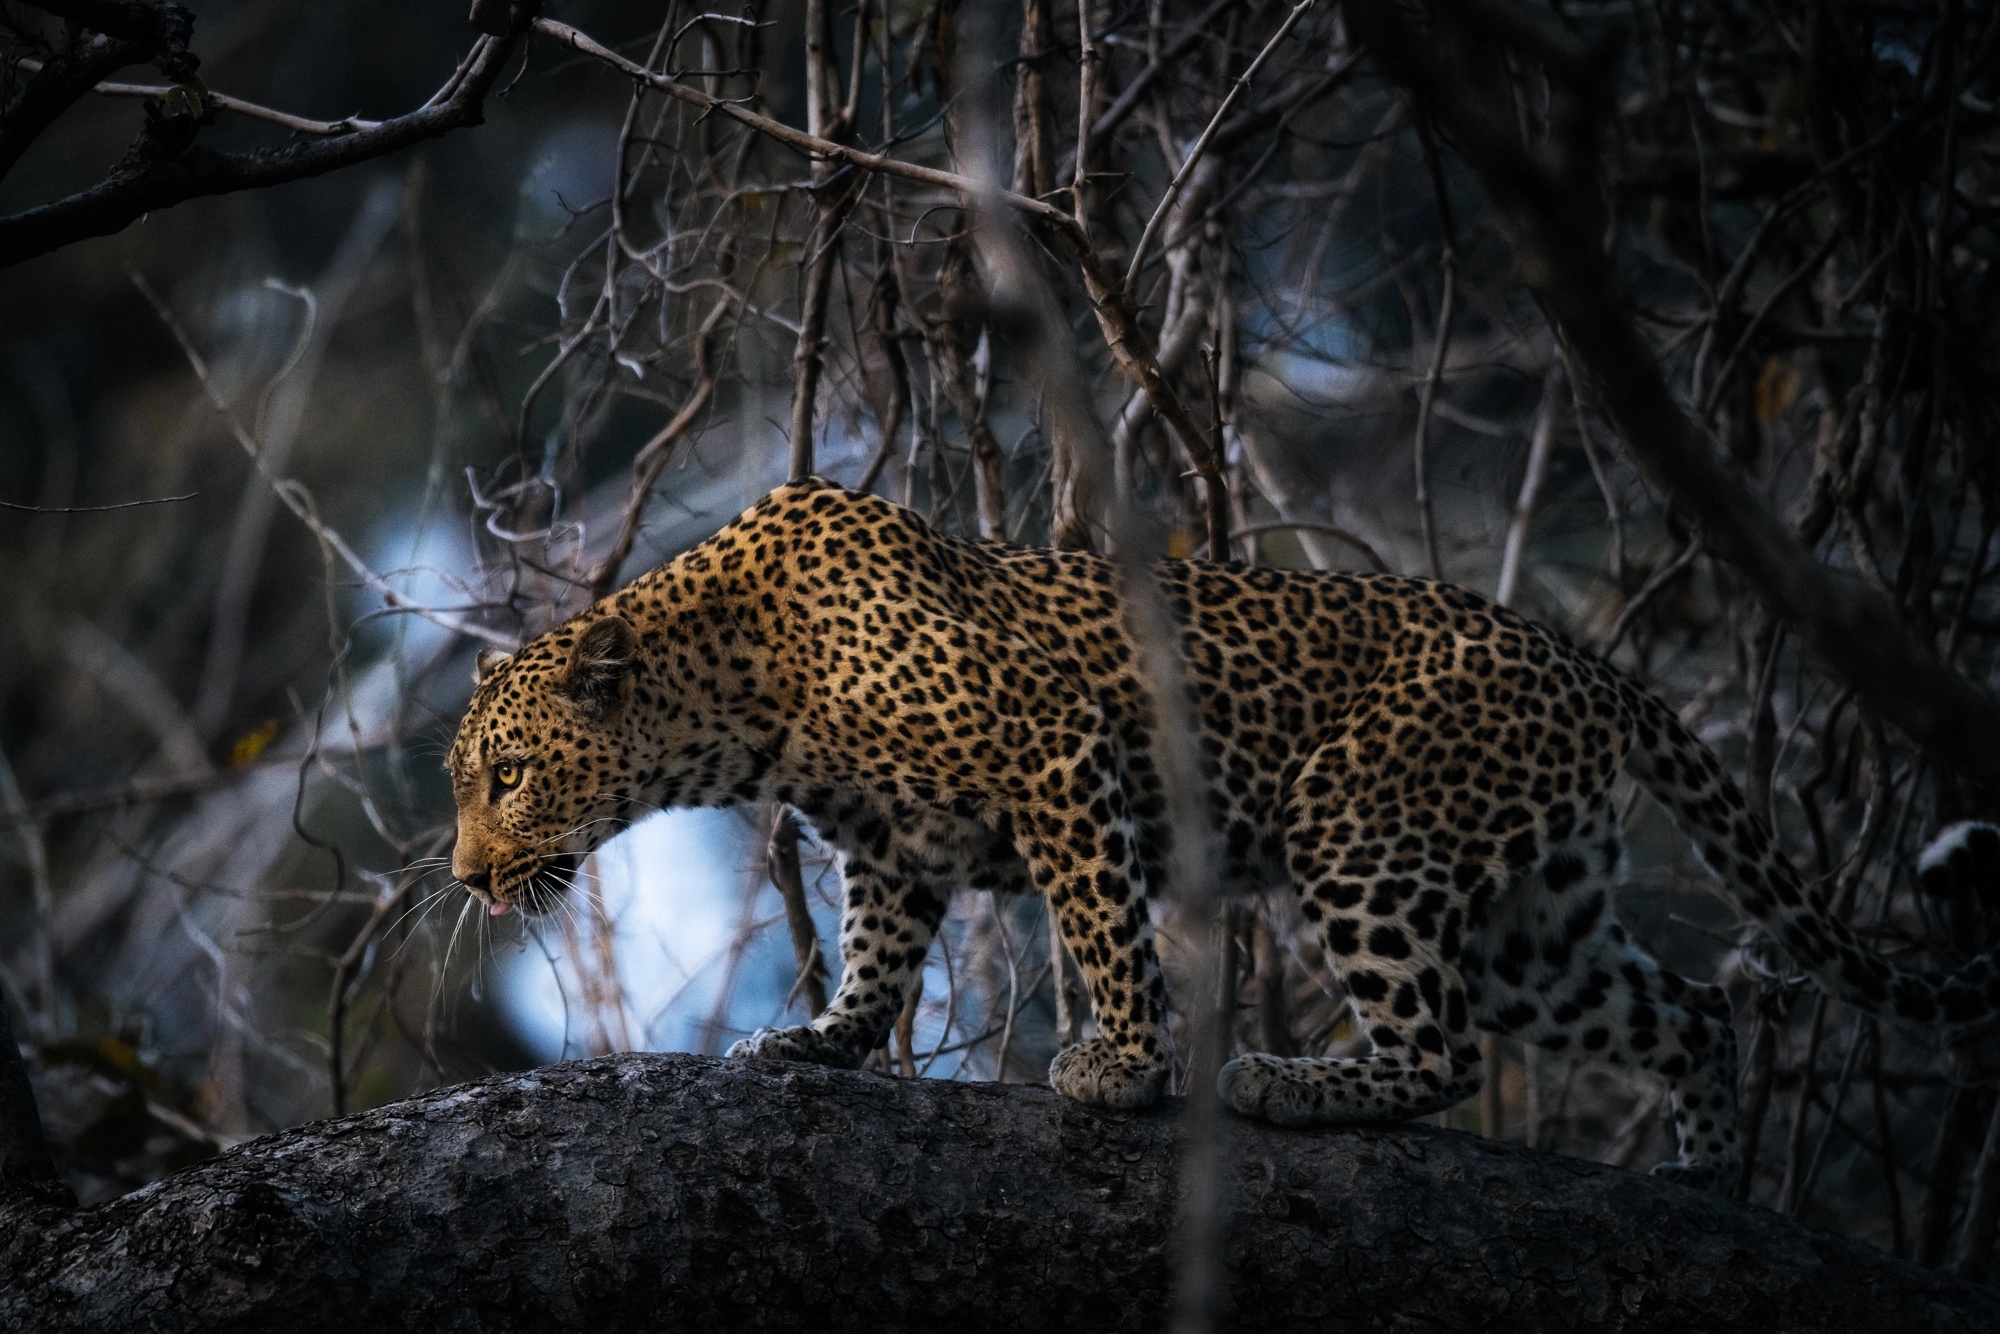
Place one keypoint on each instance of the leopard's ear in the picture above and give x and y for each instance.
(594, 678)
(488, 662)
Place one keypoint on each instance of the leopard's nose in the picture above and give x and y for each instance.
(481, 880)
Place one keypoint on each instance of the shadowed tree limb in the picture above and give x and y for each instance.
(166, 167)
(56, 86)
(680, 1192)
(159, 27)
(224, 102)
(1550, 209)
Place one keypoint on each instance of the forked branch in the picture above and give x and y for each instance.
(165, 166)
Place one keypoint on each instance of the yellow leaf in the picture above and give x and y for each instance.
(1776, 387)
(121, 1056)
(251, 744)
(186, 99)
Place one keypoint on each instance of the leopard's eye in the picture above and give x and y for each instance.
(507, 774)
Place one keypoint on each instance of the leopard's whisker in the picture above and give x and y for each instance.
(419, 908)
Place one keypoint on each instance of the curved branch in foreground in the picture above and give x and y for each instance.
(151, 177)
(56, 85)
(1552, 216)
(682, 1192)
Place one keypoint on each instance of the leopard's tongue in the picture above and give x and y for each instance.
(496, 910)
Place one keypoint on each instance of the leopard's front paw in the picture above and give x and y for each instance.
(1102, 1075)
(1689, 1175)
(1268, 1088)
(793, 1044)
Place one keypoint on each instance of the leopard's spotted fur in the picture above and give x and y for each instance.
(1429, 772)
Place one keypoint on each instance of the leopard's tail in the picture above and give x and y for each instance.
(1683, 775)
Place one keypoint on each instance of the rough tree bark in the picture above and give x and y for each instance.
(677, 1192)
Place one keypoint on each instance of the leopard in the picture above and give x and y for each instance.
(1428, 772)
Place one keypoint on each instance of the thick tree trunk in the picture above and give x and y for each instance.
(676, 1192)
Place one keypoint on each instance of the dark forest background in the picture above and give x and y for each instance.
(442, 397)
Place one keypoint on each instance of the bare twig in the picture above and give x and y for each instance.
(1098, 130)
(787, 875)
(1788, 1190)
(1433, 377)
(296, 499)
(1514, 552)
(810, 144)
(390, 894)
(224, 102)
(1659, 579)
(1069, 1014)
(96, 509)
(1373, 557)
(1194, 154)
(35, 853)
(822, 247)
(654, 455)
(906, 1028)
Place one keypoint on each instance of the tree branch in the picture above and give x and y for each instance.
(158, 27)
(663, 1192)
(1129, 346)
(1128, 100)
(224, 102)
(153, 178)
(789, 877)
(809, 144)
(1373, 557)
(58, 83)
(652, 457)
(1188, 163)
(1551, 213)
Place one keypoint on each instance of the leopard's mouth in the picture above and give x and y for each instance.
(537, 887)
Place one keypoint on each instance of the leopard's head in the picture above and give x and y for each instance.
(542, 766)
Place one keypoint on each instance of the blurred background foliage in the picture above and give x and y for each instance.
(487, 377)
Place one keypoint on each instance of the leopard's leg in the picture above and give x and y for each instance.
(1390, 915)
(1554, 967)
(888, 917)
(1077, 839)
